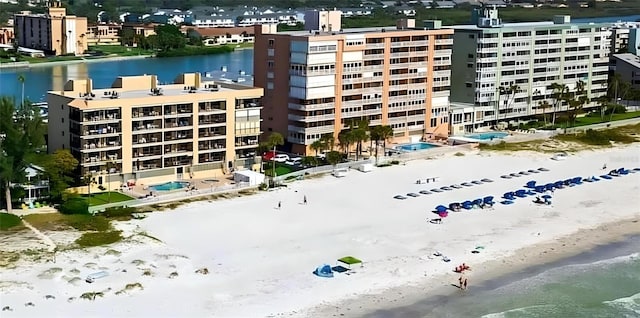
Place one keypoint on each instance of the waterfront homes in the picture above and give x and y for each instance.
(503, 72)
(222, 36)
(138, 131)
(320, 80)
(53, 32)
(104, 34)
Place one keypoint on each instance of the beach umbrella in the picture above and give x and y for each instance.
(488, 199)
(539, 188)
(531, 184)
(548, 186)
(546, 196)
(477, 202)
(441, 208)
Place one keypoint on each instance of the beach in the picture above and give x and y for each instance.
(245, 257)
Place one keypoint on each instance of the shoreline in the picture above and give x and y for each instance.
(260, 257)
(500, 272)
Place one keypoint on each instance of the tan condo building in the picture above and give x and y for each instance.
(138, 131)
(318, 81)
(54, 32)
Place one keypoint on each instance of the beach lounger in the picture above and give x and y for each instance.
(400, 197)
(436, 190)
(486, 180)
(413, 194)
(446, 188)
(425, 192)
(476, 182)
(533, 171)
(514, 175)
(604, 176)
(524, 173)
(543, 169)
(455, 186)
(467, 184)
(505, 176)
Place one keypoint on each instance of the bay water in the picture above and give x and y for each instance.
(42, 78)
(603, 282)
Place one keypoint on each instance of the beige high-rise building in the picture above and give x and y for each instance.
(143, 132)
(54, 32)
(318, 81)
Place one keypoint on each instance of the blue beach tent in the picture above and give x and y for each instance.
(477, 202)
(508, 195)
(488, 200)
(467, 205)
(324, 271)
(531, 184)
(521, 193)
(441, 208)
(577, 180)
(540, 189)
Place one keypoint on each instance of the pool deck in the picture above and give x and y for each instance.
(142, 190)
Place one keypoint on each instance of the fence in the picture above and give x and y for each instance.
(611, 124)
(175, 196)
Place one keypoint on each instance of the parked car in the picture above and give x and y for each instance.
(281, 158)
(268, 156)
(295, 161)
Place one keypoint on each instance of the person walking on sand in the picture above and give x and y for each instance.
(279, 205)
(304, 200)
(460, 280)
(465, 284)
(604, 166)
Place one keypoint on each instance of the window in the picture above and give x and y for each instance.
(63, 133)
(62, 119)
(470, 56)
(269, 85)
(270, 65)
(271, 43)
(468, 84)
(469, 65)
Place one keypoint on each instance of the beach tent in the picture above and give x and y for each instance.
(350, 260)
(477, 202)
(467, 205)
(521, 193)
(577, 180)
(508, 195)
(531, 184)
(324, 271)
(488, 200)
(558, 184)
(441, 208)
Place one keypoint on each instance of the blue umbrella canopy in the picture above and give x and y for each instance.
(488, 199)
(441, 208)
(531, 184)
(546, 196)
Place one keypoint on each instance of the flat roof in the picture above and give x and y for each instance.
(525, 25)
(629, 58)
(358, 31)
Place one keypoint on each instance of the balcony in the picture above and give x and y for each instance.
(146, 113)
(212, 107)
(401, 54)
(373, 56)
(184, 110)
(212, 120)
(178, 137)
(209, 133)
(246, 142)
(178, 161)
(100, 145)
(147, 153)
(146, 126)
(248, 103)
(102, 158)
(100, 130)
(311, 130)
(147, 164)
(146, 139)
(211, 146)
(177, 124)
(101, 116)
(379, 45)
(444, 42)
(210, 157)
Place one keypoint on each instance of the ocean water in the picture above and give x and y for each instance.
(602, 283)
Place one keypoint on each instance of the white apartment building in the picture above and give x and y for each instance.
(214, 21)
(620, 36)
(490, 58)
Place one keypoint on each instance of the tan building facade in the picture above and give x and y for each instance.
(54, 32)
(104, 34)
(317, 82)
(139, 131)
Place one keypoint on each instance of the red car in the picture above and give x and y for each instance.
(268, 156)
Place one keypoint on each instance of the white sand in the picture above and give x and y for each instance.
(260, 259)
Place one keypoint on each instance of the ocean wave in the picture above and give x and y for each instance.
(523, 310)
(631, 303)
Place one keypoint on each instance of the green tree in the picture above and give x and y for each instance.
(317, 146)
(544, 105)
(59, 167)
(170, 37)
(386, 132)
(275, 139)
(559, 95)
(576, 102)
(346, 139)
(20, 137)
(333, 158)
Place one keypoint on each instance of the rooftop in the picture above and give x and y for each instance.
(354, 31)
(524, 25)
(629, 58)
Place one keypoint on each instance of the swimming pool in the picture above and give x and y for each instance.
(488, 135)
(415, 146)
(169, 186)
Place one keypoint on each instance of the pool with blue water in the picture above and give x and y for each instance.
(415, 146)
(488, 135)
(170, 186)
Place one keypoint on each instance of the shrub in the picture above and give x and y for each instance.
(616, 109)
(99, 238)
(74, 205)
(88, 222)
(119, 212)
(395, 162)
(8, 221)
(263, 186)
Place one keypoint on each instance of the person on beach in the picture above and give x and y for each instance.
(465, 283)
(460, 280)
(304, 200)
(604, 166)
(279, 205)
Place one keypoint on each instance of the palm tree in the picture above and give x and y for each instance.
(511, 95)
(328, 141)
(317, 145)
(375, 136)
(603, 102)
(386, 132)
(544, 105)
(21, 80)
(346, 138)
(559, 93)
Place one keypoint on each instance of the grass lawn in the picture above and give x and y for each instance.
(104, 198)
(58, 221)
(99, 238)
(595, 118)
(281, 169)
(8, 221)
(120, 50)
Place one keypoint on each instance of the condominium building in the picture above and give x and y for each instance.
(627, 65)
(624, 37)
(320, 80)
(104, 34)
(140, 131)
(504, 72)
(53, 32)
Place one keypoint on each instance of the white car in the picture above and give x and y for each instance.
(295, 161)
(560, 156)
(281, 158)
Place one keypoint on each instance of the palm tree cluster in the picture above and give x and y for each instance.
(357, 134)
